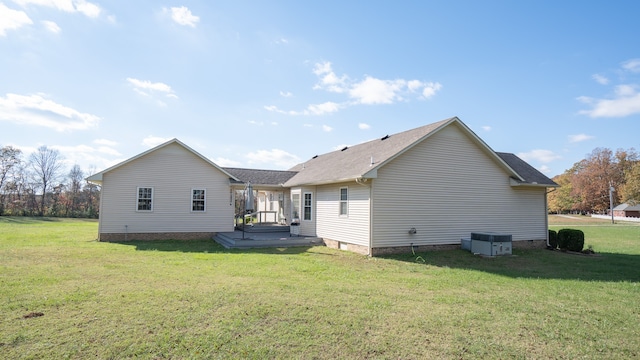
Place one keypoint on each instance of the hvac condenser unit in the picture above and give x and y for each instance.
(491, 244)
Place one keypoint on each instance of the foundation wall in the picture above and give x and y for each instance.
(334, 244)
(117, 237)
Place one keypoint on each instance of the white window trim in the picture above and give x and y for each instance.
(153, 192)
(192, 200)
(304, 206)
(299, 217)
(340, 201)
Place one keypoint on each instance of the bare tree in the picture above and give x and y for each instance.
(46, 164)
(10, 158)
(75, 186)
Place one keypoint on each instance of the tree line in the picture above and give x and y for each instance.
(586, 185)
(41, 186)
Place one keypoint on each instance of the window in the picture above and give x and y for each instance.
(198, 200)
(145, 199)
(307, 206)
(295, 206)
(344, 201)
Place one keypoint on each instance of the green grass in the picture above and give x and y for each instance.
(196, 299)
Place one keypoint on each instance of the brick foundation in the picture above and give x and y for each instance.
(523, 244)
(407, 249)
(117, 237)
(530, 244)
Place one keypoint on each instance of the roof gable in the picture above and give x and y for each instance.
(364, 159)
(97, 178)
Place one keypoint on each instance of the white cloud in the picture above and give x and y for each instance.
(328, 79)
(327, 128)
(12, 19)
(414, 85)
(626, 102)
(148, 85)
(285, 94)
(363, 126)
(51, 26)
(258, 123)
(105, 142)
(369, 91)
(147, 88)
(313, 109)
(543, 156)
(40, 111)
(183, 16)
(632, 65)
(486, 128)
(71, 6)
(84, 155)
(108, 150)
(320, 109)
(152, 141)
(544, 169)
(579, 138)
(282, 41)
(430, 89)
(376, 91)
(600, 79)
(226, 162)
(275, 157)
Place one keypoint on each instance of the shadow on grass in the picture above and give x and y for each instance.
(206, 246)
(537, 264)
(27, 220)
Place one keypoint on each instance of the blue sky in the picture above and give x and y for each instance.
(269, 84)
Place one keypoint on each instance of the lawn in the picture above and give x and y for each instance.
(65, 295)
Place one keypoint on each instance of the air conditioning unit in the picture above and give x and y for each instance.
(491, 244)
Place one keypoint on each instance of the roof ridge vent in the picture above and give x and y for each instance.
(385, 137)
(344, 148)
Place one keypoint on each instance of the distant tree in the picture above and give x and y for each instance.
(562, 199)
(75, 177)
(46, 165)
(630, 191)
(593, 177)
(10, 159)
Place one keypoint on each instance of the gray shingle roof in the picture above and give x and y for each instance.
(261, 177)
(530, 174)
(355, 161)
(627, 207)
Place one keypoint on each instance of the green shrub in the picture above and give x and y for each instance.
(553, 239)
(570, 239)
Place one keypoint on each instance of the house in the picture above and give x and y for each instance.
(423, 188)
(170, 191)
(627, 210)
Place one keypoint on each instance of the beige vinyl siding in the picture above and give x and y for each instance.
(446, 188)
(307, 227)
(353, 228)
(172, 172)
